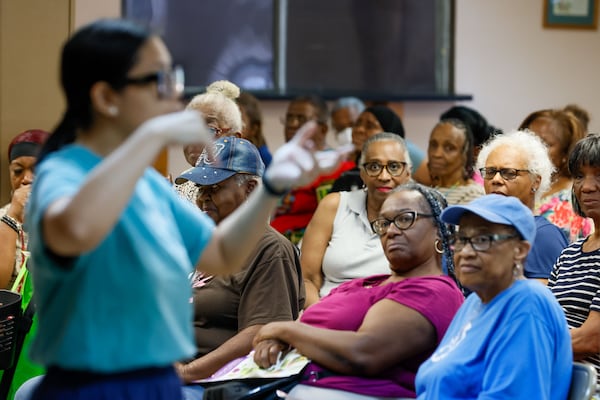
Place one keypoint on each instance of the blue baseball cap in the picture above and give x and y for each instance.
(499, 209)
(231, 155)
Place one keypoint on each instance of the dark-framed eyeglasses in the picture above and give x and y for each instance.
(402, 221)
(478, 242)
(169, 83)
(207, 190)
(506, 173)
(394, 168)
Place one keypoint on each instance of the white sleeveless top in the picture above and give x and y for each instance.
(354, 251)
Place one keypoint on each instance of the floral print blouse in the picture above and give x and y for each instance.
(557, 209)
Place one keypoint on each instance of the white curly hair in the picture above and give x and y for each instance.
(529, 144)
(220, 98)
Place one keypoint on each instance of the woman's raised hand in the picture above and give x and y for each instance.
(298, 163)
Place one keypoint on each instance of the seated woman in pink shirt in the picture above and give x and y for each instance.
(369, 336)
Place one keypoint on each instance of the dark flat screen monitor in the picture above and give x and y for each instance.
(373, 48)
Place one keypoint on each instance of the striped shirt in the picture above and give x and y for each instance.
(575, 281)
(462, 194)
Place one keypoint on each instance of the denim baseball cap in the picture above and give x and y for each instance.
(231, 155)
(499, 209)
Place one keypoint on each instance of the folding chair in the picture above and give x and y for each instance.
(583, 382)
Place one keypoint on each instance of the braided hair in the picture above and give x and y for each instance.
(437, 203)
(467, 146)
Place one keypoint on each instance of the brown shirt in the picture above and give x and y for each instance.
(270, 288)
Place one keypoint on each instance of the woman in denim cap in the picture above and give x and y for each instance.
(509, 340)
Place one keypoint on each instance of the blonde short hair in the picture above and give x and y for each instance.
(220, 97)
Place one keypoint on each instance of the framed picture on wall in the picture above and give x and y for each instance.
(571, 14)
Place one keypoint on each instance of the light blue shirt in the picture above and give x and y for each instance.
(126, 304)
(416, 155)
(517, 346)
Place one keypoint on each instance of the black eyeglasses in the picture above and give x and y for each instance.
(506, 173)
(402, 221)
(394, 168)
(479, 242)
(170, 83)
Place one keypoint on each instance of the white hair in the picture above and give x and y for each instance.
(220, 97)
(386, 136)
(531, 146)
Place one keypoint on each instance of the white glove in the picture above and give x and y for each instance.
(297, 163)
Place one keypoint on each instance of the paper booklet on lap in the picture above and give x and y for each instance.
(245, 368)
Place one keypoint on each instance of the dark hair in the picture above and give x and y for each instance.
(27, 143)
(570, 129)
(104, 50)
(318, 103)
(480, 129)
(437, 203)
(387, 118)
(251, 107)
(585, 152)
(467, 147)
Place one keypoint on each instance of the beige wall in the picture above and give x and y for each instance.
(513, 65)
(31, 36)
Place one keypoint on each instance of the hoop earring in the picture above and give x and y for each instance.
(518, 270)
(437, 249)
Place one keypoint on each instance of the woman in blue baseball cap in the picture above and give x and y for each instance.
(509, 340)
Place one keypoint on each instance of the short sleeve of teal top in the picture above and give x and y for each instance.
(125, 304)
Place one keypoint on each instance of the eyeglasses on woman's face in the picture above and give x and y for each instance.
(169, 83)
(478, 242)
(394, 168)
(506, 173)
(402, 221)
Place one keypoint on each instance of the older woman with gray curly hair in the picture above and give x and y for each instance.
(517, 164)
